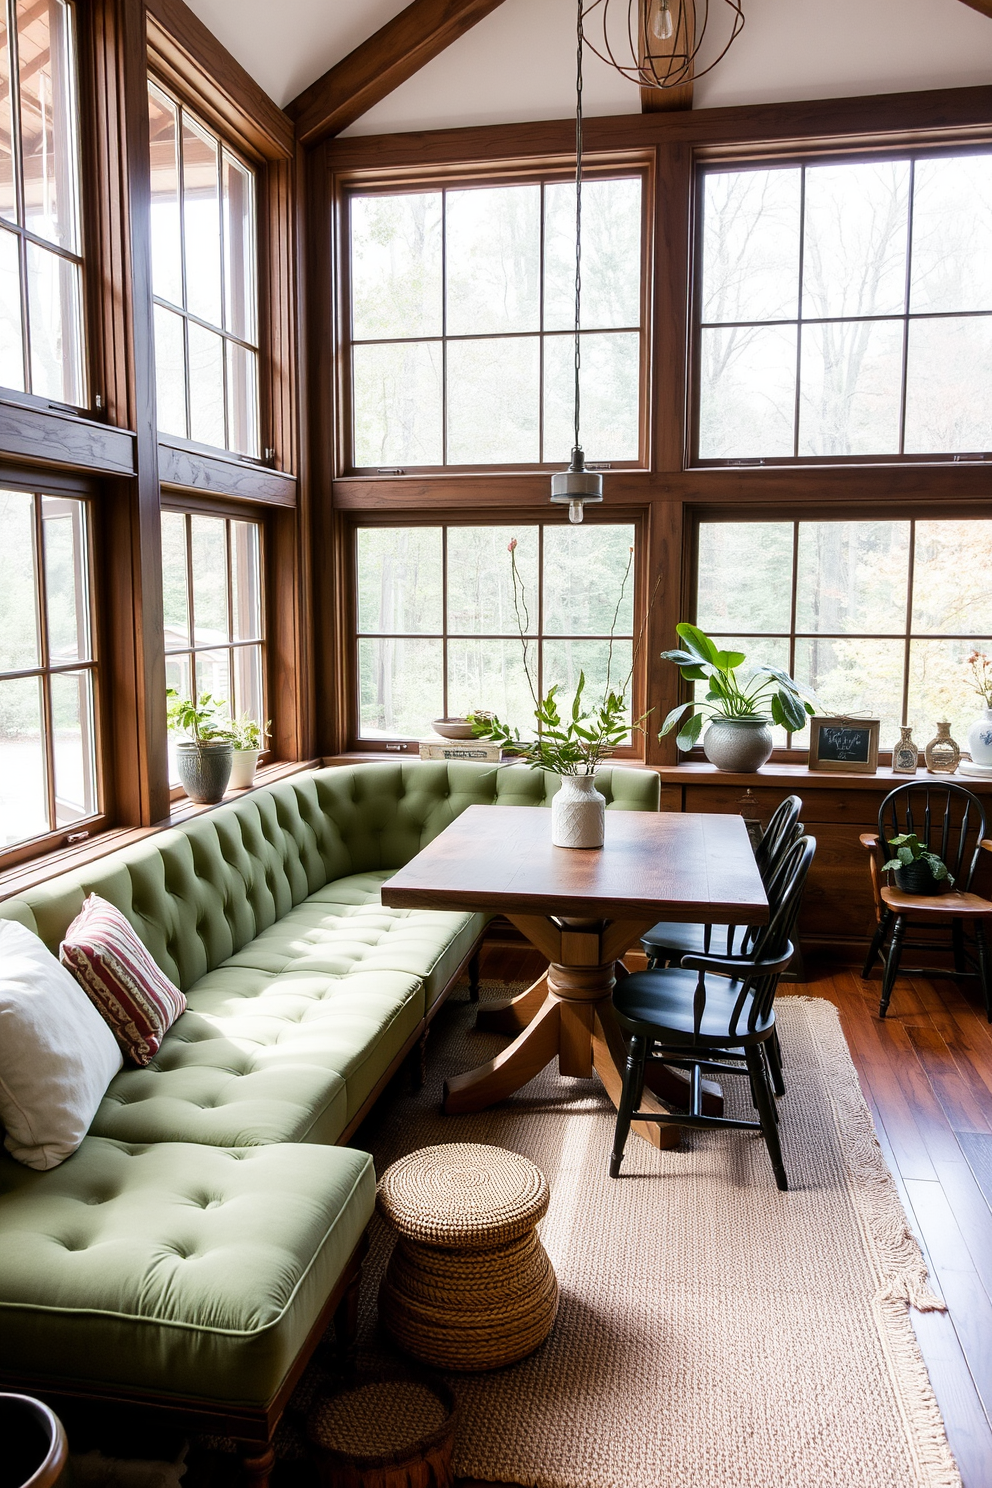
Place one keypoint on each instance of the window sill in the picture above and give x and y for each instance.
(27, 875)
(780, 773)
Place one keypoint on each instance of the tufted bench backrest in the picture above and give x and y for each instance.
(196, 894)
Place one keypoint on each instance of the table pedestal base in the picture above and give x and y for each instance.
(568, 1014)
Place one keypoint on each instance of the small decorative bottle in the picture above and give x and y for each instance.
(905, 755)
(942, 754)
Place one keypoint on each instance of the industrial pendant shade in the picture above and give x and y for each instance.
(657, 43)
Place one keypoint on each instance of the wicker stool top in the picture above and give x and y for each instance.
(379, 1419)
(463, 1195)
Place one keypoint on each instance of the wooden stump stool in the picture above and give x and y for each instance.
(469, 1285)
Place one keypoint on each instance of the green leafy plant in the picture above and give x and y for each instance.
(909, 849)
(247, 733)
(757, 694)
(577, 741)
(201, 719)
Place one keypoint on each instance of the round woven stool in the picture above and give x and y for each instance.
(469, 1285)
(384, 1433)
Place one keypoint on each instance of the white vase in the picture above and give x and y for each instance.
(578, 813)
(243, 769)
(980, 740)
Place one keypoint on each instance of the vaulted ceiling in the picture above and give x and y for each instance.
(517, 62)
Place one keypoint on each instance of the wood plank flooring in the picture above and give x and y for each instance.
(926, 1072)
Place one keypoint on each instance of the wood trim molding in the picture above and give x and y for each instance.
(182, 469)
(54, 438)
(191, 57)
(984, 7)
(394, 53)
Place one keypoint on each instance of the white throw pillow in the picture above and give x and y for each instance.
(57, 1055)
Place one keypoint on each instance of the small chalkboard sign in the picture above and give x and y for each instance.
(844, 744)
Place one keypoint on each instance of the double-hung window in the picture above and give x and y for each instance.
(42, 348)
(461, 315)
(205, 282)
(844, 310)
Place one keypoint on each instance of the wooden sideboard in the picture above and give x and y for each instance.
(838, 914)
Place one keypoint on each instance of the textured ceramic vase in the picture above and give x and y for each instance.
(905, 755)
(578, 813)
(980, 740)
(243, 768)
(737, 744)
(204, 770)
(942, 753)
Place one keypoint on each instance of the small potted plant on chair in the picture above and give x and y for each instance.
(917, 870)
(248, 736)
(204, 753)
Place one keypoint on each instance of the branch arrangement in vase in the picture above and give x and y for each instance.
(751, 698)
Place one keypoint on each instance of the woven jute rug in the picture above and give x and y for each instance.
(713, 1332)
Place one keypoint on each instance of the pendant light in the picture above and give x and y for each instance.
(657, 42)
(577, 485)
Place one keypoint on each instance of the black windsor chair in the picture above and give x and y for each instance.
(720, 1025)
(950, 821)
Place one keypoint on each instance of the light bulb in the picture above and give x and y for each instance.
(575, 511)
(662, 25)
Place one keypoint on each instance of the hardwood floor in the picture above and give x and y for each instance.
(926, 1072)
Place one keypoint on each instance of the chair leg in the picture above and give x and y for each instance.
(892, 964)
(473, 976)
(984, 971)
(630, 1098)
(773, 1050)
(957, 942)
(877, 940)
(767, 1113)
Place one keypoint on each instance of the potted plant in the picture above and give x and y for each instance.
(980, 733)
(740, 705)
(917, 870)
(204, 753)
(247, 736)
(571, 746)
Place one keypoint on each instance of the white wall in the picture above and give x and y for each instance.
(518, 63)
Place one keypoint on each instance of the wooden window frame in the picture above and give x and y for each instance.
(803, 160)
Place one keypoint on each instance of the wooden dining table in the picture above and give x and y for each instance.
(582, 908)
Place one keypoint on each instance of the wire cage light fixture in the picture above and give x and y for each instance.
(658, 42)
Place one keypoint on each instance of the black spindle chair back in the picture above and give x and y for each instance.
(948, 819)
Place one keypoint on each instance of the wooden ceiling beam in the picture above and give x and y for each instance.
(662, 100)
(394, 53)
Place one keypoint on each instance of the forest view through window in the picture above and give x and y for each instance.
(462, 301)
(204, 278)
(438, 624)
(846, 309)
(878, 618)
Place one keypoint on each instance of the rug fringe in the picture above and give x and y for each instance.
(903, 1278)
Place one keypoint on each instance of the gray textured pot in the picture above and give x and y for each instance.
(917, 878)
(204, 769)
(737, 744)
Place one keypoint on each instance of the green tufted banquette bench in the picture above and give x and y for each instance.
(191, 1253)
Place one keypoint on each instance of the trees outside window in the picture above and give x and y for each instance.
(845, 309)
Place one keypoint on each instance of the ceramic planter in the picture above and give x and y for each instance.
(578, 813)
(243, 768)
(916, 878)
(204, 769)
(742, 745)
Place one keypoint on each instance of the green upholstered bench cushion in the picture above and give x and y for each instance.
(287, 1039)
(174, 1269)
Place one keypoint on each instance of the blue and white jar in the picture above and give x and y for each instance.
(980, 740)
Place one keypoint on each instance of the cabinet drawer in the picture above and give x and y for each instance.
(819, 805)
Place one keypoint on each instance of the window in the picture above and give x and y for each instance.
(437, 622)
(462, 305)
(204, 278)
(41, 295)
(877, 617)
(846, 309)
(48, 777)
(214, 634)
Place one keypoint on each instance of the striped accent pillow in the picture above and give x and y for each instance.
(120, 978)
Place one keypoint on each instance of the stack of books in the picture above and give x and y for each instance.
(436, 748)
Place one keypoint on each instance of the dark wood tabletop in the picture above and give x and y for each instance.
(679, 866)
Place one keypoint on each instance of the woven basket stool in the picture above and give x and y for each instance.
(386, 1433)
(469, 1285)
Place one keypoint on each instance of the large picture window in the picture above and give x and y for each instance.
(438, 620)
(214, 615)
(41, 294)
(877, 617)
(205, 283)
(845, 309)
(461, 305)
(48, 757)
